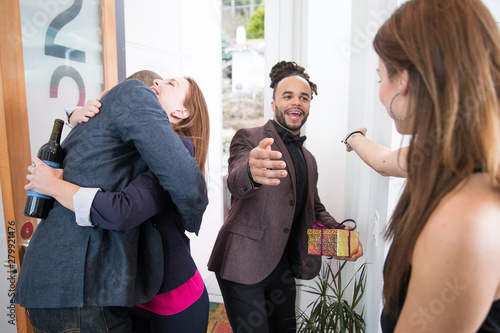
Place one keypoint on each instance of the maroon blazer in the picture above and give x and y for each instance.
(254, 236)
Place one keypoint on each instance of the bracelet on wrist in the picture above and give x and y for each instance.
(348, 146)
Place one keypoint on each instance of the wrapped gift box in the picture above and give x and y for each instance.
(332, 242)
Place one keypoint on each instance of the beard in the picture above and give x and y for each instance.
(280, 119)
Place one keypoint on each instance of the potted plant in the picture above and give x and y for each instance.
(331, 312)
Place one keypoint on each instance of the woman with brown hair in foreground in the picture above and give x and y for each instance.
(440, 69)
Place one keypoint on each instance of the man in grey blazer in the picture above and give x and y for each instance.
(74, 277)
(262, 245)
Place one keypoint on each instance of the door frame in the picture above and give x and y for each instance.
(15, 154)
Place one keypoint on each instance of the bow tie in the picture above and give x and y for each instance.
(294, 138)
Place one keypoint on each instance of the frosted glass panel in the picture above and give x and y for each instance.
(62, 48)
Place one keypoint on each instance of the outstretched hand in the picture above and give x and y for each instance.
(89, 110)
(264, 164)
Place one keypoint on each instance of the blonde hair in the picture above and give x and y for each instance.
(451, 50)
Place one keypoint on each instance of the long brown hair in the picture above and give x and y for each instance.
(197, 125)
(451, 50)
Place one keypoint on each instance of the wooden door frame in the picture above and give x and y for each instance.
(15, 154)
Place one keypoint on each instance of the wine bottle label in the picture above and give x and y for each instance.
(35, 194)
(51, 164)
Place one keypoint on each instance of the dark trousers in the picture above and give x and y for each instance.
(264, 307)
(87, 319)
(194, 319)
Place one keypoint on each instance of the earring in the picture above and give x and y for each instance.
(390, 108)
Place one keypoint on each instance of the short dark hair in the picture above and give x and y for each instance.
(285, 69)
(146, 76)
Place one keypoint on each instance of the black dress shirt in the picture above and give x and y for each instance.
(294, 144)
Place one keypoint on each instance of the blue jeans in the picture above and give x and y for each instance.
(88, 319)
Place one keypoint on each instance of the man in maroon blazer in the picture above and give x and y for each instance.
(262, 245)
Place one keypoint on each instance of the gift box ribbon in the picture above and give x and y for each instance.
(318, 225)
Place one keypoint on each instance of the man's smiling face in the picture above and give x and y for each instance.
(292, 98)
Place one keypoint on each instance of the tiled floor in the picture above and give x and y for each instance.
(217, 321)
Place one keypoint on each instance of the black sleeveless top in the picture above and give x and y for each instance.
(490, 325)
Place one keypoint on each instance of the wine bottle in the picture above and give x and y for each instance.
(38, 205)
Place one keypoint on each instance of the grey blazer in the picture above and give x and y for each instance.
(256, 231)
(67, 265)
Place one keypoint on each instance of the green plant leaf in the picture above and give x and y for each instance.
(330, 312)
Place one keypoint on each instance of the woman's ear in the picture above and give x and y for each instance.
(403, 82)
(181, 114)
